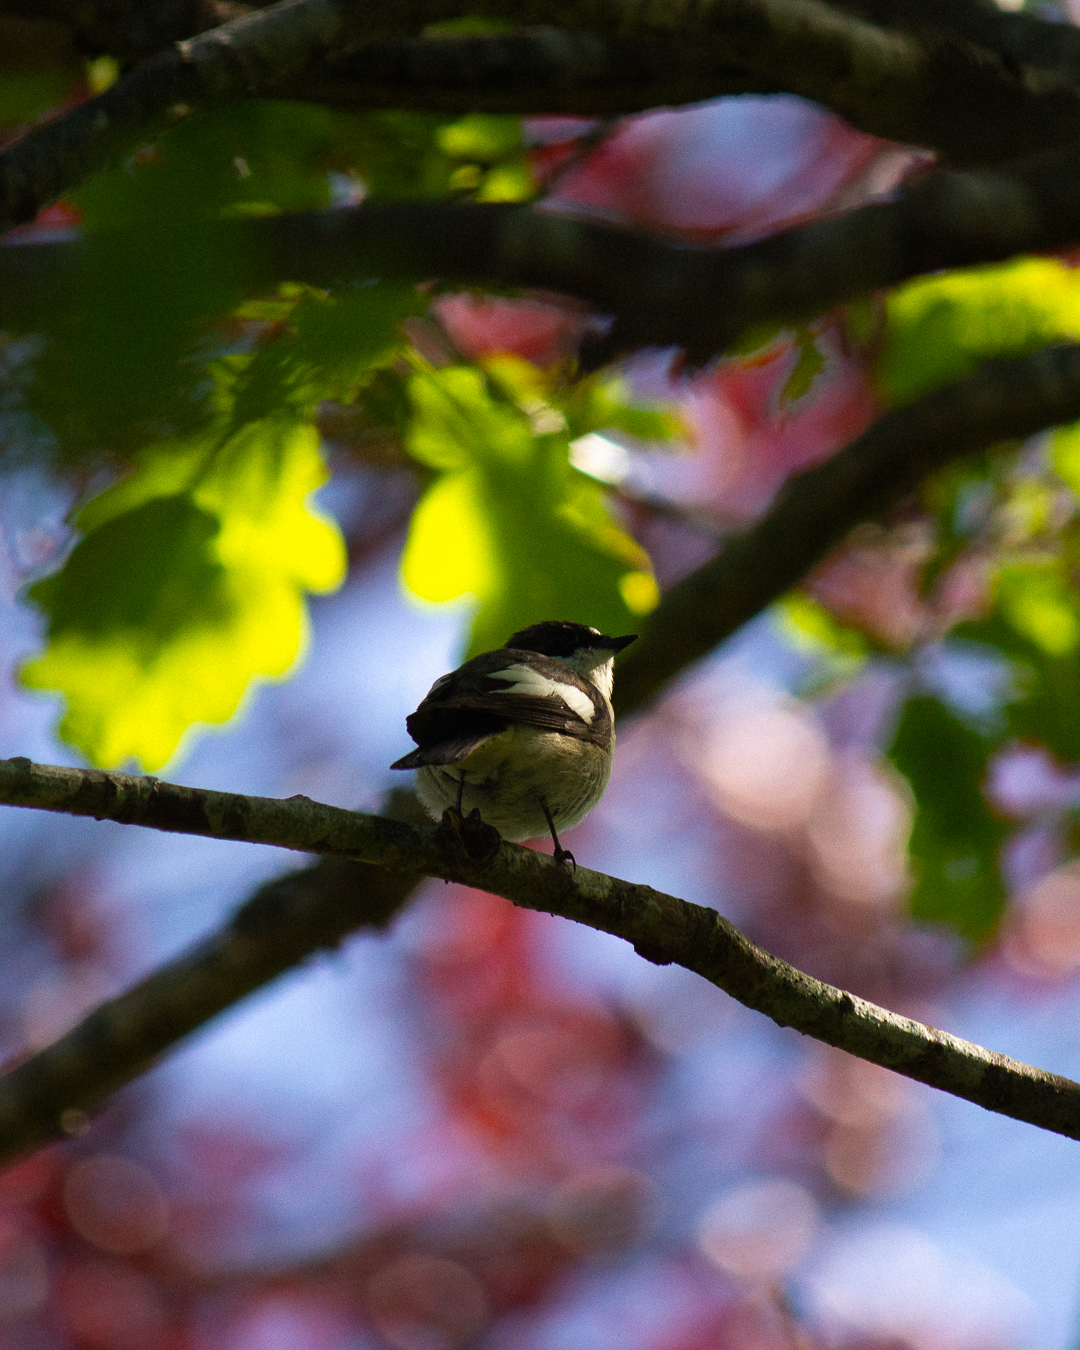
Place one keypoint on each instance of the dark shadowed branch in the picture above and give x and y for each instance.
(922, 88)
(662, 292)
(134, 30)
(296, 916)
(536, 70)
(39, 1095)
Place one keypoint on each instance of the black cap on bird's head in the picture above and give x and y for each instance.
(560, 639)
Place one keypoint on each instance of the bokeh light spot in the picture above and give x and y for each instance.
(426, 1303)
(759, 1230)
(116, 1204)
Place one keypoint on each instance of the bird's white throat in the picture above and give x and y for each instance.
(595, 665)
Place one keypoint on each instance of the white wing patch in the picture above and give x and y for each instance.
(531, 682)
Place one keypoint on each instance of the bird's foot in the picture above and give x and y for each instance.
(563, 855)
(469, 835)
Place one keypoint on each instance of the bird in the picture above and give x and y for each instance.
(520, 737)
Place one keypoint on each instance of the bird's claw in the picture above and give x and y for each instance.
(469, 835)
(563, 855)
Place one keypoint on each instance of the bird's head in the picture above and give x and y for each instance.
(585, 650)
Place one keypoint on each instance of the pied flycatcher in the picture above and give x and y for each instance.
(523, 735)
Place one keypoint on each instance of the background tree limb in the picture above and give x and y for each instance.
(37, 1097)
(534, 70)
(662, 292)
(919, 88)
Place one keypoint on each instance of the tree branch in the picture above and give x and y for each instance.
(36, 1097)
(537, 70)
(134, 31)
(923, 89)
(290, 919)
(1002, 400)
(1020, 39)
(922, 86)
(662, 292)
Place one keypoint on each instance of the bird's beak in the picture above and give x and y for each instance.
(617, 644)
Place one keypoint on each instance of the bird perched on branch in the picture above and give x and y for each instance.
(522, 736)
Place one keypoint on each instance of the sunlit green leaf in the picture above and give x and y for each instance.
(186, 587)
(812, 629)
(509, 523)
(1040, 603)
(938, 328)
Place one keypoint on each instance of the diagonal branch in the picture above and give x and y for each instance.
(1002, 400)
(294, 917)
(237, 60)
(38, 1096)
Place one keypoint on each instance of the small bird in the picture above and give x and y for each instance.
(524, 735)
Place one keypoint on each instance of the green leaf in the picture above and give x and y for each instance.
(405, 154)
(808, 366)
(955, 841)
(602, 402)
(812, 629)
(509, 523)
(1065, 455)
(1043, 704)
(330, 347)
(483, 137)
(1039, 601)
(939, 328)
(186, 588)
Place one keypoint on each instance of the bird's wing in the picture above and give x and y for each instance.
(496, 690)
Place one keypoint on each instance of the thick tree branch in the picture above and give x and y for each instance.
(1020, 39)
(662, 292)
(924, 86)
(282, 924)
(296, 916)
(134, 30)
(537, 70)
(36, 1097)
(924, 89)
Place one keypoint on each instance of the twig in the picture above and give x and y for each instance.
(234, 61)
(38, 1096)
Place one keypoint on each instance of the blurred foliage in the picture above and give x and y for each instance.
(812, 629)
(939, 328)
(808, 366)
(955, 840)
(125, 360)
(509, 522)
(39, 68)
(187, 582)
